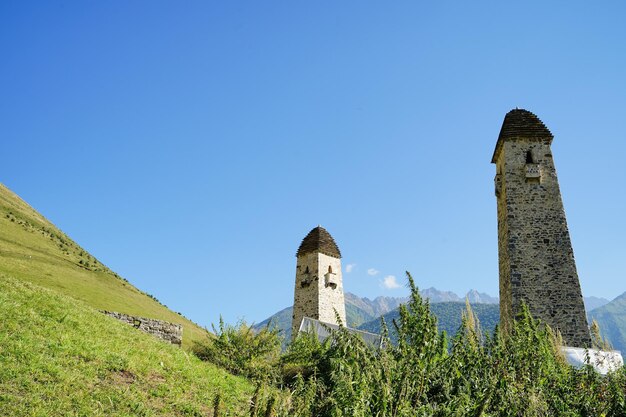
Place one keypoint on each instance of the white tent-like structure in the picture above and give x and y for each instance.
(322, 331)
(602, 361)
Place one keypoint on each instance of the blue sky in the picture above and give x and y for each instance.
(190, 146)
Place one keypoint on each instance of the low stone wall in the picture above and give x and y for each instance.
(170, 332)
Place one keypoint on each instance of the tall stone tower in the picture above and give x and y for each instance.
(319, 288)
(535, 252)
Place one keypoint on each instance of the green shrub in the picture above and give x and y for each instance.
(243, 351)
(518, 373)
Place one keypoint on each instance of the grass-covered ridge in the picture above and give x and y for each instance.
(33, 249)
(60, 357)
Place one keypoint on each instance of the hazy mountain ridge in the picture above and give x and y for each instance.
(384, 304)
(376, 307)
(362, 310)
(476, 297)
(364, 313)
(449, 315)
(611, 318)
(436, 296)
(591, 303)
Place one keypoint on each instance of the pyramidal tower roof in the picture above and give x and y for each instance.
(520, 123)
(319, 241)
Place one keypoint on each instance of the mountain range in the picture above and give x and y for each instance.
(361, 310)
(611, 318)
(364, 313)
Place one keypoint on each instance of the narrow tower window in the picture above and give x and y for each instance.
(533, 174)
(306, 280)
(331, 280)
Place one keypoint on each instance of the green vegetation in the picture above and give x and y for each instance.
(60, 357)
(34, 250)
(517, 374)
(243, 351)
(521, 373)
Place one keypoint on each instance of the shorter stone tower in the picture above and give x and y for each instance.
(535, 252)
(319, 288)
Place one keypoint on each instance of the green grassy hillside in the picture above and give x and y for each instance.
(34, 250)
(60, 357)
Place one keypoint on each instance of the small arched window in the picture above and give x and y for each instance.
(330, 269)
(533, 171)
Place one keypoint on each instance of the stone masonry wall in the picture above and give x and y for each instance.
(305, 300)
(331, 296)
(170, 332)
(318, 291)
(536, 259)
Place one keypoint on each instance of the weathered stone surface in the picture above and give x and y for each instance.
(170, 332)
(536, 259)
(318, 291)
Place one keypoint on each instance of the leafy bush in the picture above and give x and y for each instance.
(243, 351)
(517, 373)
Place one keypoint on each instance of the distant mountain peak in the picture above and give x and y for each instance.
(476, 297)
(591, 303)
(436, 296)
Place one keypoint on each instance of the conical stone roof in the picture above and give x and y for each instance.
(319, 241)
(520, 123)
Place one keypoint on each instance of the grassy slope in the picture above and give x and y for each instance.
(60, 357)
(33, 249)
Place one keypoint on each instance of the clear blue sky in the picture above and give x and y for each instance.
(190, 146)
